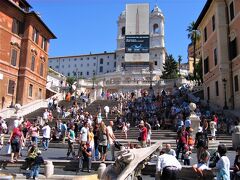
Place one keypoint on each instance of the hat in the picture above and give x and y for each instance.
(199, 129)
(141, 122)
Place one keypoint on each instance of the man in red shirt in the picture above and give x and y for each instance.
(143, 134)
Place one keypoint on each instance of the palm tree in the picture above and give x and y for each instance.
(194, 36)
(179, 64)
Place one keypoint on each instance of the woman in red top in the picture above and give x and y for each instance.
(143, 134)
(16, 139)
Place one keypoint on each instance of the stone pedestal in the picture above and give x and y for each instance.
(48, 169)
(236, 136)
(195, 120)
(101, 169)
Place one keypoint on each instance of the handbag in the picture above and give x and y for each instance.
(9, 149)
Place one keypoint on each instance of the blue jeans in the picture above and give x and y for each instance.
(45, 142)
(35, 140)
(35, 170)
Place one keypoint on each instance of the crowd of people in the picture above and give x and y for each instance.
(95, 138)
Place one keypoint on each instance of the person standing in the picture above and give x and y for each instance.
(91, 141)
(87, 157)
(34, 133)
(46, 136)
(223, 164)
(83, 137)
(16, 140)
(71, 140)
(102, 141)
(143, 134)
(106, 109)
(111, 139)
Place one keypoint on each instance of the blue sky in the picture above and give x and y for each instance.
(84, 26)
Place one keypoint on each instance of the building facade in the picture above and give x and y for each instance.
(84, 66)
(24, 44)
(219, 24)
(157, 52)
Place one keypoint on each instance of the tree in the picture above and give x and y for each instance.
(70, 81)
(170, 68)
(199, 71)
(194, 36)
(179, 64)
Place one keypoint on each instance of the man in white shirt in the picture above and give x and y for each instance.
(106, 109)
(111, 139)
(168, 165)
(46, 136)
(83, 137)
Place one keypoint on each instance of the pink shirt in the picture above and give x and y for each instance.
(34, 131)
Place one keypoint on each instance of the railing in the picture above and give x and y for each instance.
(30, 107)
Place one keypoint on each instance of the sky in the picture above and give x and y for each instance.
(84, 26)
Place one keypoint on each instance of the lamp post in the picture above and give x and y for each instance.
(13, 88)
(225, 93)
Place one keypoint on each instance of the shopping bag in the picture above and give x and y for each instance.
(9, 149)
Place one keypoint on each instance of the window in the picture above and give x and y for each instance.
(87, 58)
(231, 11)
(215, 56)
(75, 65)
(44, 44)
(81, 73)
(81, 58)
(155, 29)
(236, 83)
(155, 63)
(87, 73)
(233, 49)
(11, 86)
(17, 27)
(205, 34)
(101, 61)
(39, 93)
(100, 69)
(155, 55)
(30, 90)
(94, 57)
(56, 67)
(213, 23)
(208, 93)
(33, 63)
(14, 57)
(107, 63)
(41, 69)
(115, 63)
(94, 64)
(122, 57)
(35, 35)
(123, 31)
(216, 87)
(68, 74)
(81, 65)
(62, 66)
(206, 66)
(75, 59)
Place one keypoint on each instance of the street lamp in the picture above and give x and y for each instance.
(225, 93)
(13, 88)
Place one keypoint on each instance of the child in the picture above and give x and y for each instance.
(187, 155)
(36, 166)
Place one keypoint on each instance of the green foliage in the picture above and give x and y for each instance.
(199, 71)
(170, 68)
(71, 80)
(194, 36)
